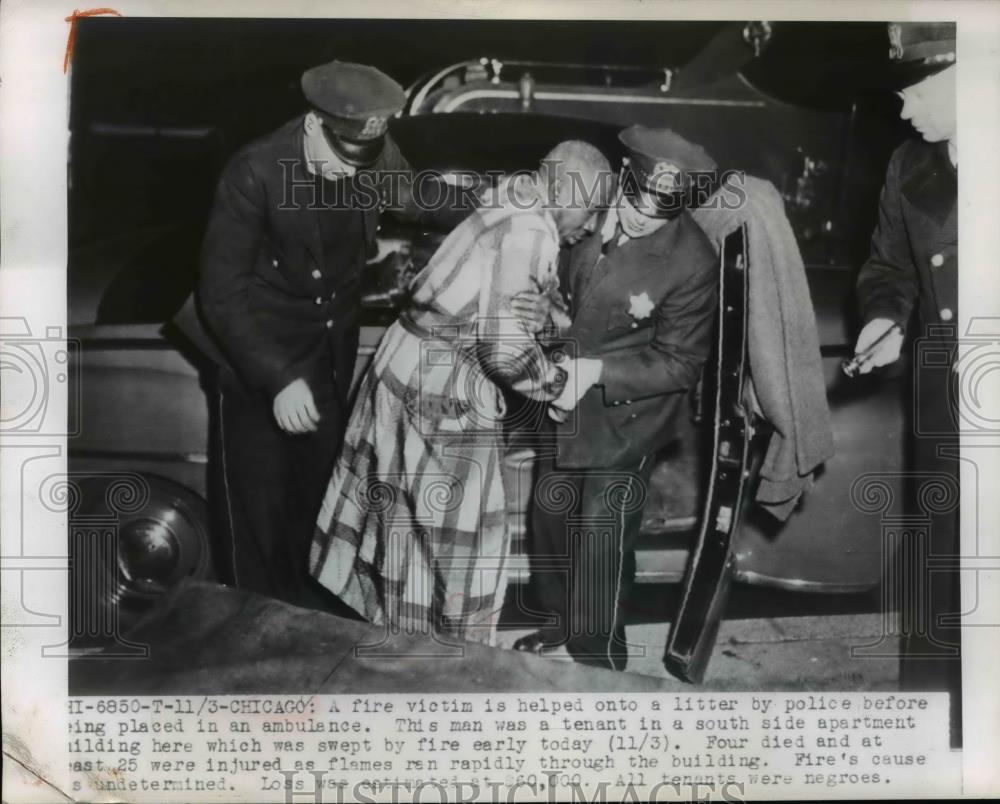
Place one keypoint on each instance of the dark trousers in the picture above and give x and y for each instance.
(584, 527)
(931, 660)
(267, 490)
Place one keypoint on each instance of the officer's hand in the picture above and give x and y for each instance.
(583, 373)
(886, 352)
(294, 408)
(532, 309)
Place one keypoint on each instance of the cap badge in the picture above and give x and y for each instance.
(374, 127)
(895, 41)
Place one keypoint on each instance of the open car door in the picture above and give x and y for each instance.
(736, 434)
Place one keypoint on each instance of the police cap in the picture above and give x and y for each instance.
(354, 103)
(920, 49)
(664, 172)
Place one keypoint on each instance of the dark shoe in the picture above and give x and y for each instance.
(611, 654)
(538, 642)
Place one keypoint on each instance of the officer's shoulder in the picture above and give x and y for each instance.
(265, 148)
(696, 241)
(910, 155)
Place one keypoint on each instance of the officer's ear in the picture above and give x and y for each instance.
(312, 122)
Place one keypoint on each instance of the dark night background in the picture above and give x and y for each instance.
(229, 81)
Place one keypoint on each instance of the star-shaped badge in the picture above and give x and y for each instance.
(640, 306)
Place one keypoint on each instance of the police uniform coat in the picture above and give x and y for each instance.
(276, 303)
(280, 290)
(914, 256)
(646, 309)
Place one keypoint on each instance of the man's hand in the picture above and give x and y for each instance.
(886, 352)
(583, 374)
(294, 408)
(532, 309)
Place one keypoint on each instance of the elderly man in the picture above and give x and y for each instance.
(914, 264)
(412, 531)
(295, 214)
(642, 295)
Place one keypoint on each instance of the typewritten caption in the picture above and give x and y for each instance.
(503, 747)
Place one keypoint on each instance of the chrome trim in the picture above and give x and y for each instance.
(139, 455)
(125, 343)
(680, 524)
(125, 130)
(418, 99)
(453, 103)
(519, 571)
(135, 331)
(797, 584)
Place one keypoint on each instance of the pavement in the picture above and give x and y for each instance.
(205, 638)
(819, 652)
(767, 640)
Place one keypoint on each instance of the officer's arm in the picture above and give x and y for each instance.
(680, 346)
(887, 284)
(232, 245)
(508, 351)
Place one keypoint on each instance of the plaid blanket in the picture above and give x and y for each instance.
(412, 531)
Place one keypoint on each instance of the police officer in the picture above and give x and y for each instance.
(912, 272)
(294, 216)
(642, 293)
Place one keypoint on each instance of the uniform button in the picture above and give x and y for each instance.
(937, 260)
(634, 325)
(617, 403)
(946, 314)
(628, 401)
(316, 274)
(632, 416)
(318, 300)
(333, 295)
(329, 324)
(274, 263)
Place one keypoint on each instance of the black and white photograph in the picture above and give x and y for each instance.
(547, 361)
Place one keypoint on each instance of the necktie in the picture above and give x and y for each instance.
(612, 244)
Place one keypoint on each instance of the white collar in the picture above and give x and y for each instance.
(321, 154)
(610, 225)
